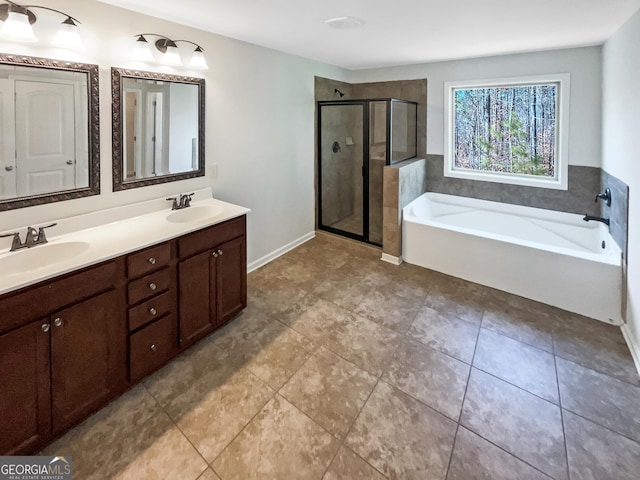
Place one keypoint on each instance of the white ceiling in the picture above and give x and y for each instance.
(399, 32)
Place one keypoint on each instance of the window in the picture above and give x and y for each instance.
(508, 131)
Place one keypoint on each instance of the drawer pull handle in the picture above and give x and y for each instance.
(58, 322)
(152, 261)
(153, 311)
(153, 286)
(153, 347)
(46, 327)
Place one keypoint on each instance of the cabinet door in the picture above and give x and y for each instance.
(88, 357)
(25, 389)
(231, 279)
(197, 282)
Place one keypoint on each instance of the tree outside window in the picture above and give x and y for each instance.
(507, 132)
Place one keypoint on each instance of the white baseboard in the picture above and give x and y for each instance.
(634, 348)
(269, 257)
(391, 259)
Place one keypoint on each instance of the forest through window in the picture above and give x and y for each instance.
(506, 129)
(509, 130)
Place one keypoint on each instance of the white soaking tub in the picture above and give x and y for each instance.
(552, 257)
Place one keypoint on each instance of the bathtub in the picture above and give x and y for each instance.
(552, 257)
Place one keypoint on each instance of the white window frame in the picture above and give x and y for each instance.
(560, 180)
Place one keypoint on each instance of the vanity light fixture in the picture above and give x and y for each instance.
(169, 50)
(18, 20)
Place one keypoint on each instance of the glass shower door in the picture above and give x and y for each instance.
(341, 169)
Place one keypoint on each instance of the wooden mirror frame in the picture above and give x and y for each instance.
(117, 74)
(93, 129)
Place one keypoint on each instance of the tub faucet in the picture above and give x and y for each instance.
(588, 218)
(605, 196)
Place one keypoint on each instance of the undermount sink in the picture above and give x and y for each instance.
(39, 257)
(194, 213)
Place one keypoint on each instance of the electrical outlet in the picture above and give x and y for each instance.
(213, 170)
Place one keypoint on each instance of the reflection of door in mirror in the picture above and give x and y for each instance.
(46, 137)
(145, 130)
(7, 140)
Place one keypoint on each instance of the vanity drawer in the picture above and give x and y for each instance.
(211, 237)
(152, 346)
(151, 310)
(148, 260)
(150, 285)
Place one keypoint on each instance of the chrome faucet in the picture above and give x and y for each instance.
(588, 218)
(183, 202)
(34, 237)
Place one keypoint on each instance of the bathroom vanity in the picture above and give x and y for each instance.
(126, 305)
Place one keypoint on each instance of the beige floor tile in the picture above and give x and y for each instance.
(458, 298)
(208, 474)
(365, 343)
(320, 319)
(524, 326)
(349, 466)
(102, 433)
(394, 432)
(213, 410)
(445, 333)
(158, 451)
(279, 443)
(521, 423)
(429, 376)
(596, 453)
(476, 459)
(277, 353)
(389, 310)
(330, 390)
(526, 367)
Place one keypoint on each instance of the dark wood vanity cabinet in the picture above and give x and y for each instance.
(152, 309)
(212, 278)
(62, 354)
(70, 345)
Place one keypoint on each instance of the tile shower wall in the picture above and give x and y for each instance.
(403, 183)
(584, 183)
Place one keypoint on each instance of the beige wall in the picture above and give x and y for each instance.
(259, 122)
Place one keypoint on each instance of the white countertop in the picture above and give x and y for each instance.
(109, 233)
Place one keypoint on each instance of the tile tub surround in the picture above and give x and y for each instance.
(246, 402)
(618, 212)
(584, 183)
(402, 183)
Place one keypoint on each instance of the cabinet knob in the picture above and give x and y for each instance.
(215, 254)
(58, 322)
(8, 168)
(153, 286)
(69, 162)
(220, 252)
(46, 327)
(152, 260)
(153, 347)
(153, 311)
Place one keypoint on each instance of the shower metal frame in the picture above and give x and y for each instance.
(366, 123)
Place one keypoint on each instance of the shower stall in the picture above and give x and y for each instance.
(356, 139)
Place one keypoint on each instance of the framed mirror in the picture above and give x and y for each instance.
(49, 131)
(158, 128)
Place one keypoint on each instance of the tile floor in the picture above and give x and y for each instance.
(344, 367)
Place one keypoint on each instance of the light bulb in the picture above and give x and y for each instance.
(198, 60)
(68, 36)
(142, 51)
(17, 27)
(171, 56)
